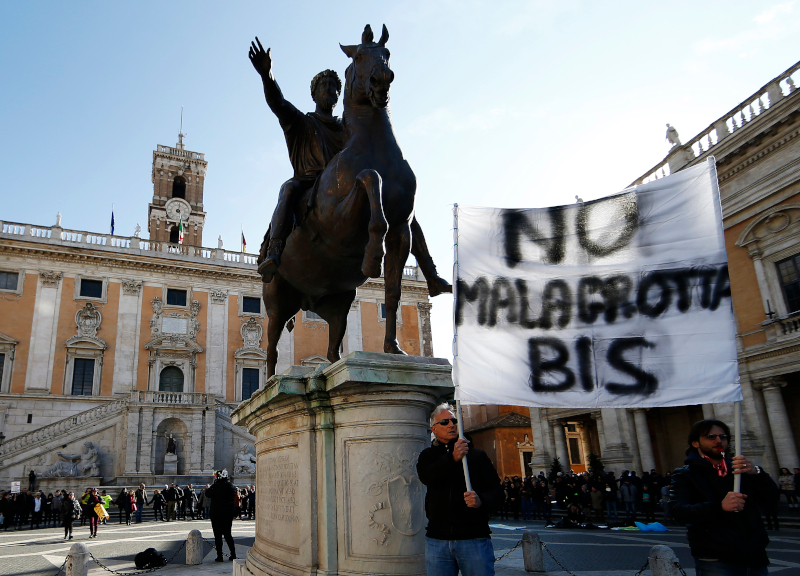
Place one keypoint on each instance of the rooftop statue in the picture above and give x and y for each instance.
(347, 214)
(672, 136)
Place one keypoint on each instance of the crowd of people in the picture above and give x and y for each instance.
(32, 509)
(609, 499)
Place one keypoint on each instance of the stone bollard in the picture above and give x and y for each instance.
(78, 563)
(532, 552)
(663, 561)
(194, 548)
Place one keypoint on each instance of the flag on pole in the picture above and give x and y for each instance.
(112, 219)
(180, 232)
(244, 243)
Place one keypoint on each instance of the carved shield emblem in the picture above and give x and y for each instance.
(406, 505)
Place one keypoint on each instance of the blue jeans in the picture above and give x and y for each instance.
(527, 509)
(138, 512)
(447, 557)
(612, 505)
(630, 510)
(717, 568)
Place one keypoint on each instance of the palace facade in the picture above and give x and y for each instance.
(123, 341)
(757, 150)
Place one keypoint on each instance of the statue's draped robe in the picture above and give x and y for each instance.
(313, 141)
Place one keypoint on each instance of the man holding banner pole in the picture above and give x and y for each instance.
(457, 535)
(725, 531)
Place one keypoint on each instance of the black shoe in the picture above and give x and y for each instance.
(233, 557)
(219, 559)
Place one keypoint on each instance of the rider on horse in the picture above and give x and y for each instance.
(313, 139)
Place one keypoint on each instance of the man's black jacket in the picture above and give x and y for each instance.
(695, 498)
(449, 517)
(221, 493)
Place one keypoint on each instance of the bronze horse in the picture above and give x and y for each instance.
(358, 216)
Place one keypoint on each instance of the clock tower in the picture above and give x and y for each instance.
(178, 178)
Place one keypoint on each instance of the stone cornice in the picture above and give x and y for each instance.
(125, 261)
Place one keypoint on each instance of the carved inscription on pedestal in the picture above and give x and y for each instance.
(278, 486)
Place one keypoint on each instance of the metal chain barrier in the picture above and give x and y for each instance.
(517, 545)
(214, 547)
(62, 566)
(560, 565)
(643, 568)
(137, 572)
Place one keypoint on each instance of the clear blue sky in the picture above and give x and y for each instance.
(514, 104)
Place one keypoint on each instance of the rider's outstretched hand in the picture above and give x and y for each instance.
(262, 61)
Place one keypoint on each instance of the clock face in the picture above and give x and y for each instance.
(178, 209)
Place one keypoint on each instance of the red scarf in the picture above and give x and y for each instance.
(721, 468)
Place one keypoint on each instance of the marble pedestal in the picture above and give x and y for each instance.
(170, 464)
(336, 482)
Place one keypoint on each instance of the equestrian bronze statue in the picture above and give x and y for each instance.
(348, 211)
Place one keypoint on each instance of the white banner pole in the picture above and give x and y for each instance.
(737, 433)
(455, 339)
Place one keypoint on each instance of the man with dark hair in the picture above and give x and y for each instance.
(222, 513)
(457, 535)
(726, 534)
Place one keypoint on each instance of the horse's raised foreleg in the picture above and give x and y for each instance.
(419, 248)
(334, 309)
(282, 302)
(398, 245)
(369, 182)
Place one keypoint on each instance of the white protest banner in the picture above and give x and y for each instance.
(15, 488)
(619, 302)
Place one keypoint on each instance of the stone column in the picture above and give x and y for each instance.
(43, 333)
(196, 457)
(601, 437)
(643, 438)
(210, 433)
(616, 453)
(761, 278)
(560, 437)
(353, 341)
(425, 338)
(779, 422)
(541, 459)
(585, 444)
(132, 447)
(128, 324)
(146, 441)
(216, 349)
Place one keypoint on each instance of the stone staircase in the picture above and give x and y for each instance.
(61, 430)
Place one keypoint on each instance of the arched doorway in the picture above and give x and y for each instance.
(179, 431)
(170, 380)
(179, 187)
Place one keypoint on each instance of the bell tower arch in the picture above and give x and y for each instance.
(178, 178)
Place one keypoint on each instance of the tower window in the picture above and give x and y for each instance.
(91, 288)
(179, 187)
(174, 235)
(251, 305)
(789, 270)
(176, 297)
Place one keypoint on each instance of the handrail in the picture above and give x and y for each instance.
(63, 426)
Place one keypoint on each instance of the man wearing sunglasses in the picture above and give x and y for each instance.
(726, 534)
(458, 520)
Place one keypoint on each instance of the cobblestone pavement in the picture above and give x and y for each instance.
(41, 552)
(617, 553)
(587, 553)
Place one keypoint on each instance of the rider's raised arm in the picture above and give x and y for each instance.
(262, 62)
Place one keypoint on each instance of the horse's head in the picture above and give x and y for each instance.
(368, 77)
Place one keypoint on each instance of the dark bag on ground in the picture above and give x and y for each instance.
(150, 558)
